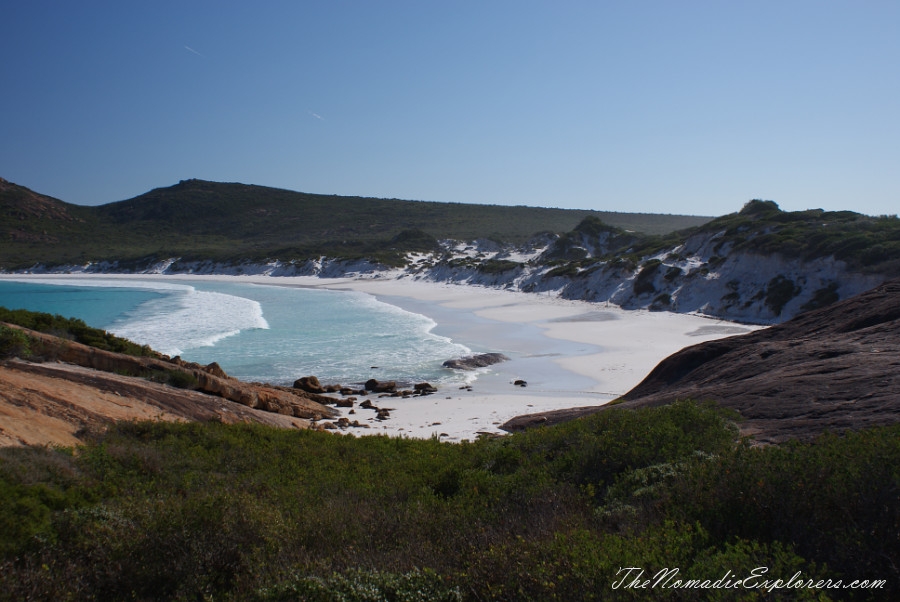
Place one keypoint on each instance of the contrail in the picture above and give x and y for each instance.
(189, 49)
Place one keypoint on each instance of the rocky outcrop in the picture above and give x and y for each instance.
(831, 369)
(310, 384)
(53, 403)
(211, 380)
(472, 362)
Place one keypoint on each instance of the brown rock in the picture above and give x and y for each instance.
(216, 370)
(282, 401)
(830, 369)
(424, 388)
(380, 386)
(310, 384)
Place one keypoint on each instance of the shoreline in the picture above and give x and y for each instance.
(570, 353)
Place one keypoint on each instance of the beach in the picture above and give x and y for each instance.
(570, 353)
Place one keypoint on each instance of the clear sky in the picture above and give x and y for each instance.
(657, 106)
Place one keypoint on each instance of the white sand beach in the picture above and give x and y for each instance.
(570, 353)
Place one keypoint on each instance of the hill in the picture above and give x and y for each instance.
(230, 222)
(759, 265)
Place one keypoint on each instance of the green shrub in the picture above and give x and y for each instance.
(14, 343)
(153, 510)
(74, 329)
(497, 266)
(823, 297)
(779, 292)
(175, 378)
(643, 283)
(361, 585)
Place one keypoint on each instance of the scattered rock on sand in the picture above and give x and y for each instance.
(424, 388)
(376, 386)
(475, 361)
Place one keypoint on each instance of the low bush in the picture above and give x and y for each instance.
(151, 510)
(74, 329)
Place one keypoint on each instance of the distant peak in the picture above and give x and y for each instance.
(757, 206)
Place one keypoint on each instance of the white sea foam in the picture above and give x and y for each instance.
(182, 319)
(188, 319)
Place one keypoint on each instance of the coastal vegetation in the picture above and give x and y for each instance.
(865, 243)
(14, 342)
(245, 512)
(229, 222)
(760, 264)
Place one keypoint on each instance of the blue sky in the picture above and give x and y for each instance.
(650, 106)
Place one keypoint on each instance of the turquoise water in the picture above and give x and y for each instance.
(259, 333)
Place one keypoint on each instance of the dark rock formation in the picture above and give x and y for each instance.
(376, 386)
(831, 369)
(475, 361)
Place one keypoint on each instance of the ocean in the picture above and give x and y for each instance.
(262, 333)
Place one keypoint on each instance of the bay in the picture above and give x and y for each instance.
(258, 333)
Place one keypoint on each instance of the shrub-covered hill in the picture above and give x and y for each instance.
(195, 219)
(864, 242)
(162, 511)
(759, 265)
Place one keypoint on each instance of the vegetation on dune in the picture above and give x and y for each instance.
(190, 511)
(864, 242)
(868, 244)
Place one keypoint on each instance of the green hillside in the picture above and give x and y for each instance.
(209, 220)
(174, 511)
